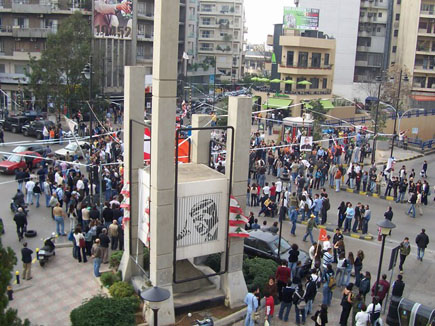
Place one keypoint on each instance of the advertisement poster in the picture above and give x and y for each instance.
(113, 19)
(301, 18)
(306, 144)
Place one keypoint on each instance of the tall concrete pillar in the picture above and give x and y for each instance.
(133, 159)
(200, 139)
(166, 21)
(239, 117)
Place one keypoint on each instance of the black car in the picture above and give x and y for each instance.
(15, 123)
(265, 245)
(36, 127)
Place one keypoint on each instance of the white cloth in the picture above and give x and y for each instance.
(362, 318)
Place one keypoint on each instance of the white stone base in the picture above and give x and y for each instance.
(234, 287)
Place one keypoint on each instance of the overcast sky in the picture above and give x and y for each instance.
(261, 15)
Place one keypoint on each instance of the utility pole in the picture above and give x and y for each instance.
(376, 120)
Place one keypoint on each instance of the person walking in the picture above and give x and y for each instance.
(405, 250)
(21, 222)
(270, 307)
(251, 302)
(362, 317)
(97, 254)
(299, 302)
(383, 288)
(412, 201)
(364, 287)
(338, 236)
(309, 231)
(287, 301)
(422, 240)
(346, 303)
(26, 258)
(294, 219)
(59, 216)
(37, 193)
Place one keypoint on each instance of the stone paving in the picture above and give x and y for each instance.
(48, 298)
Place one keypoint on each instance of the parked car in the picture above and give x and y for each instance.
(265, 245)
(25, 148)
(15, 123)
(16, 161)
(35, 128)
(73, 149)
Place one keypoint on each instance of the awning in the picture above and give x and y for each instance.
(327, 104)
(423, 98)
(276, 103)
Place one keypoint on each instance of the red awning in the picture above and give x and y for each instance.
(423, 98)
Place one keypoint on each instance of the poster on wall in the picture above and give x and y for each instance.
(306, 144)
(301, 18)
(113, 19)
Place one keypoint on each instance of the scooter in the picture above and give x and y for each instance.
(47, 250)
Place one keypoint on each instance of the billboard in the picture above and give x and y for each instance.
(113, 19)
(301, 18)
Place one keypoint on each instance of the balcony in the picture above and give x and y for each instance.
(306, 42)
(425, 52)
(310, 71)
(427, 14)
(31, 7)
(424, 32)
(5, 30)
(363, 48)
(145, 37)
(424, 70)
(146, 15)
(8, 78)
(18, 31)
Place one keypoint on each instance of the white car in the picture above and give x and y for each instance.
(73, 149)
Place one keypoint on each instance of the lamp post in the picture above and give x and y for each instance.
(405, 79)
(378, 79)
(155, 295)
(87, 72)
(386, 226)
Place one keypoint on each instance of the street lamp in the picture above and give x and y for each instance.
(155, 295)
(385, 226)
(405, 79)
(88, 73)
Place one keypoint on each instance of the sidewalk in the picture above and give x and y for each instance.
(55, 290)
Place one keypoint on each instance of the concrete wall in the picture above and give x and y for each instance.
(407, 40)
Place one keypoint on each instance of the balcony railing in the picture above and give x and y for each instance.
(306, 67)
(27, 6)
(5, 29)
(18, 31)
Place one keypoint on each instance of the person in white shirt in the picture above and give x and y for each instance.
(47, 193)
(362, 317)
(278, 186)
(58, 178)
(266, 189)
(376, 313)
(29, 188)
(327, 244)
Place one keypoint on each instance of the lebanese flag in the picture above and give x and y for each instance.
(238, 232)
(147, 145)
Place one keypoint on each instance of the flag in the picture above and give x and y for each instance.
(147, 145)
(185, 56)
(273, 57)
(238, 232)
(237, 220)
(71, 124)
(323, 235)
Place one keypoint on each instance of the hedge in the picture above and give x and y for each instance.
(258, 270)
(115, 259)
(108, 278)
(121, 290)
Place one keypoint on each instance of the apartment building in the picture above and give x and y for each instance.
(415, 49)
(25, 25)
(305, 59)
(256, 58)
(220, 33)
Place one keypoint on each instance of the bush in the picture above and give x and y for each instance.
(108, 278)
(101, 310)
(214, 262)
(115, 259)
(121, 290)
(258, 270)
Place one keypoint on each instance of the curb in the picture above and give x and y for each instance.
(331, 228)
(231, 319)
(366, 193)
(409, 158)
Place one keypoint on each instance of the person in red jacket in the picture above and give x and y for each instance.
(282, 276)
(383, 288)
(270, 306)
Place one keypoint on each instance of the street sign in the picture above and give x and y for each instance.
(393, 258)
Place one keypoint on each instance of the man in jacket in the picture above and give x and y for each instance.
(21, 222)
(405, 249)
(113, 234)
(26, 258)
(104, 244)
(97, 254)
(383, 288)
(422, 241)
(310, 226)
(398, 287)
(337, 237)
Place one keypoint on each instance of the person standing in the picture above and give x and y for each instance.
(362, 317)
(80, 244)
(113, 234)
(422, 240)
(26, 258)
(346, 303)
(389, 213)
(21, 222)
(104, 245)
(350, 213)
(405, 250)
(294, 219)
(59, 216)
(251, 302)
(270, 307)
(358, 265)
(97, 254)
(287, 301)
(300, 304)
(337, 237)
(321, 316)
(383, 288)
(30, 185)
(328, 286)
(366, 219)
(398, 287)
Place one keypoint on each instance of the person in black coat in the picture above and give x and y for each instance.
(21, 222)
(422, 240)
(321, 315)
(398, 286)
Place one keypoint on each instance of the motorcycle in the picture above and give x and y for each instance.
(14, 207)
(47, 250)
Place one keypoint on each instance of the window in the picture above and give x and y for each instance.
(263, 246)
(326, 59)
(22, 22)
(207, 34)
(290, 58)
(396, 32)
(394, 49)
(380, 14)
(20, 69)
(397, 16)
(314, 83)
(2, 67)
(325, 83)
(140, 29)
(303, 59)
(140, 51)
(2, 47)
(207, 8)
(205, 46)
(206, 21)
(378, 29)
(315, 60)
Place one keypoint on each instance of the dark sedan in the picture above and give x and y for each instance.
(265, 245)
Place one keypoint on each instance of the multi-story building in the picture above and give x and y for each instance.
(220, 36)
(306, 60)
(415, 49)
(25, 25)
(256, 58)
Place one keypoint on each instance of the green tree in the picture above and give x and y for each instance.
(58, 74)
(8, 259)
(319, 116)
